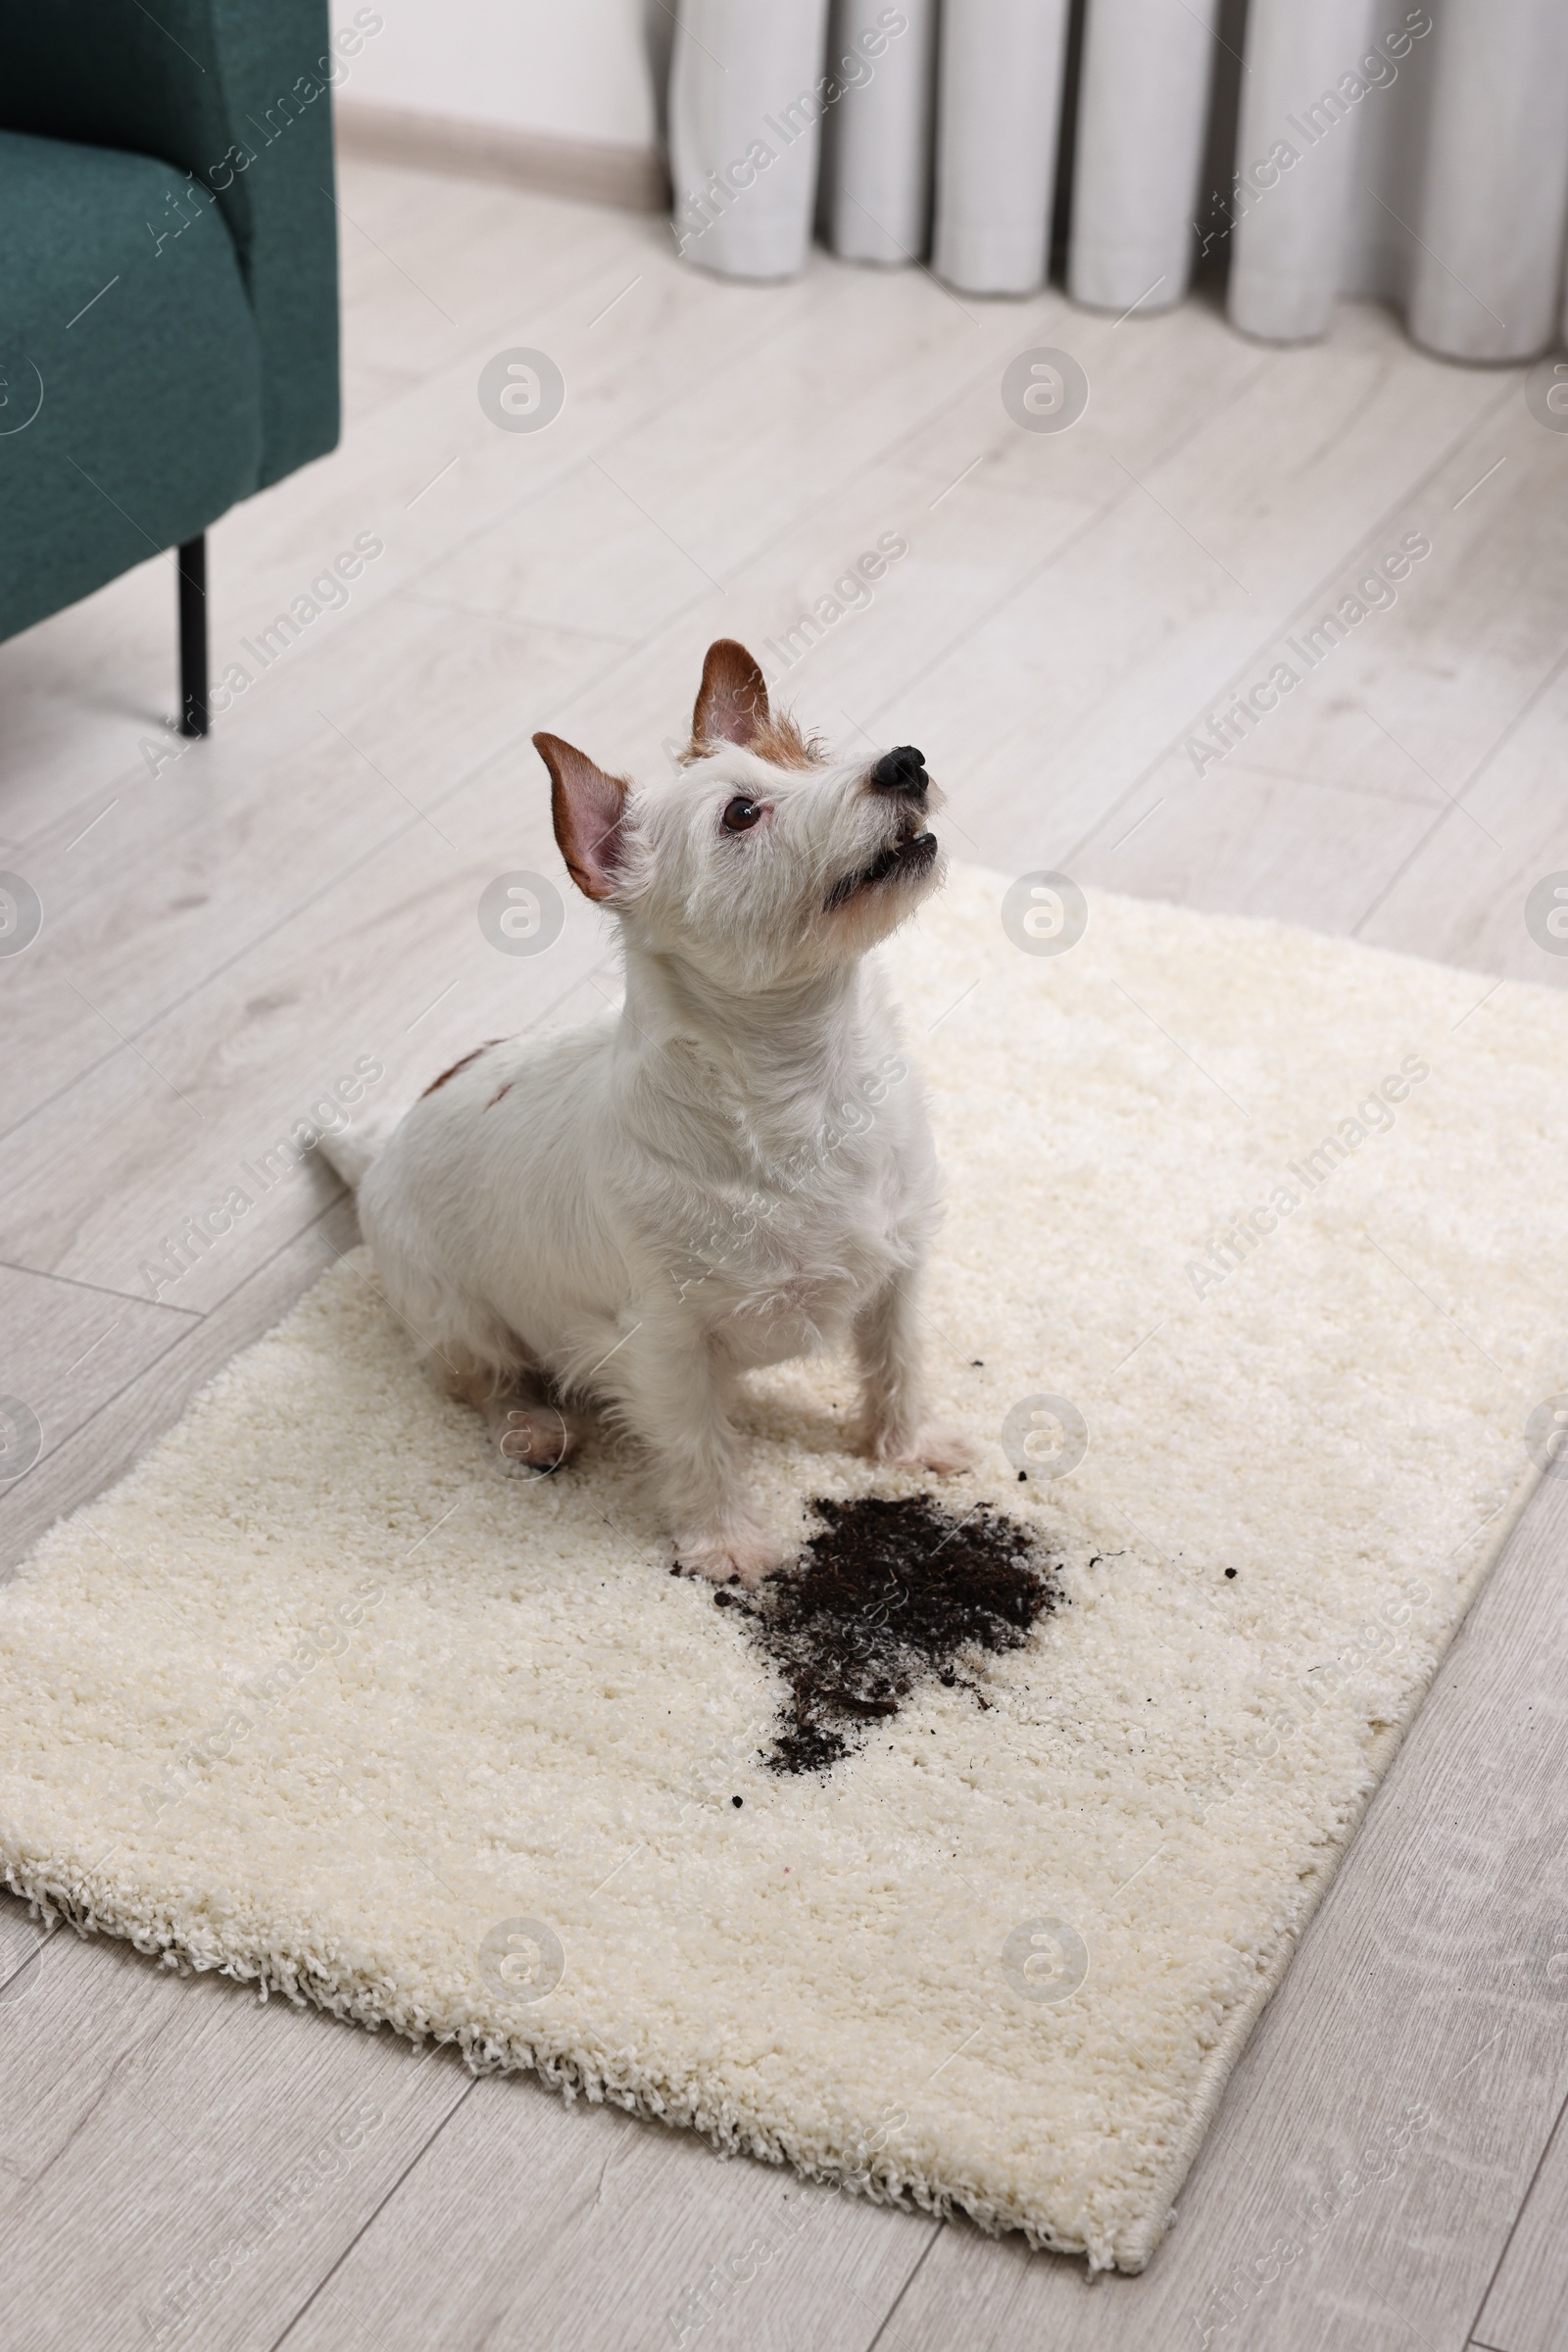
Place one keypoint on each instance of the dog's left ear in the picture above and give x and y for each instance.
(732, 699)
(588, 810)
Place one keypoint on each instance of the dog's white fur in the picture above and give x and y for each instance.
(733, 1170)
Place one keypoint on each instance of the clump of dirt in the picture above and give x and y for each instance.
(886, 1592)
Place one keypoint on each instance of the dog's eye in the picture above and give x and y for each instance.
(742, 814)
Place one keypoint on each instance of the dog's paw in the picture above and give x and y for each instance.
(939, 1447)
(732, 1555)
(534, 1438)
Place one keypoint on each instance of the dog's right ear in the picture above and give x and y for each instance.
(588, 810)
(732, 699)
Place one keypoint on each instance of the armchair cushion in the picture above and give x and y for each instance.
(169, 277)
(132, 381)
(236, 93)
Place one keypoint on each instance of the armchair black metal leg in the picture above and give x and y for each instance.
(193, 636)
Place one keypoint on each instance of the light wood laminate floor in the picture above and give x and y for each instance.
(226, 930)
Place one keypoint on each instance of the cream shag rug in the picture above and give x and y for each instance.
(319, 1696)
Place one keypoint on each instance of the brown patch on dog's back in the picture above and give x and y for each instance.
(462, 1064)
(496, 1096)
(885, 1593)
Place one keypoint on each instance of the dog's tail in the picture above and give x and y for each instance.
(352, 1149)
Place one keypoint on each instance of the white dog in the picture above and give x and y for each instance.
(734, 1170)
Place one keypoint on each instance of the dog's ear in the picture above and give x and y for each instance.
(588, 810)
(732, 699)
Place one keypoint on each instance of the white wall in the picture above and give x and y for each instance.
(578, 69)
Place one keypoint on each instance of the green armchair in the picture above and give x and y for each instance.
(169, 336)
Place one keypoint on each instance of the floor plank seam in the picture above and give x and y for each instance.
(426, 602)
(1065, 546)
(101, 1289)
(746, 356)
(1477, 773)
(830, 494)
(291, 1240)
(218, 970)
(177, 1339)
(28, 1958)
(1242, 671)
(1502, 2255)
(886, 2323)
(465, 2092)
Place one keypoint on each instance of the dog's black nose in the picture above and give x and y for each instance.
(902, 770)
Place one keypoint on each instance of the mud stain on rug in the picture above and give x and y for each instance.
(889, 1593)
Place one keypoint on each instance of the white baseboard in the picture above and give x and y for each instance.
(595, 171)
